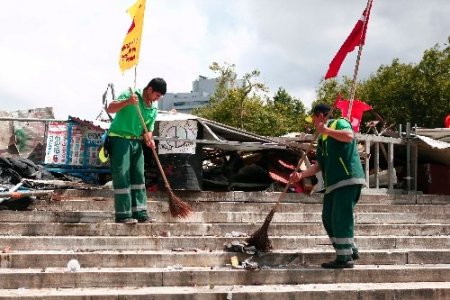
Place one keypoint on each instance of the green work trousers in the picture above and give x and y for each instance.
(337, 218)
(127, 168)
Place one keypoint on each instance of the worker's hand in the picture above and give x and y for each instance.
(148, 140)
(321, 128)
(133, 99)
(296, 177)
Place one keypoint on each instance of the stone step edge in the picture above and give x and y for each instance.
(197, 269)
(151, 202)
(167, 259)
(214, 252)
(240, 196)
(350, 290)
(137, 277)
(226, 238)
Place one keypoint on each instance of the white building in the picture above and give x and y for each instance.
(202, 89)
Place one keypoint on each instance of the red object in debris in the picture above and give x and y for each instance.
(447, 121)
(152, 188)
(286, 165)
(283, 177)
(358, 108)
(433, 179)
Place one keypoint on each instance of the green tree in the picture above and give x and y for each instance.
(240, 104)
(291, 112)
(236, 98)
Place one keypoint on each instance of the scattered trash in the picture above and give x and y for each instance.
(229, 296)
(234, 261)
(237, 246)
(73, 265)
(165, 233)
(7, 249)
(250, 265)
(235, 234)
(175, 267)
(99, 199)
(246, 264)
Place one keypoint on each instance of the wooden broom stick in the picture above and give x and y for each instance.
(178, 208)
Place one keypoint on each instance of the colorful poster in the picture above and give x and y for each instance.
(82, 149)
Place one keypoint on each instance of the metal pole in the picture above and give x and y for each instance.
(358, 58)
(30, 119)
(408, 156)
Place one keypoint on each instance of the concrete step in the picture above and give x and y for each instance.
(404, 243)
(367, 196)
(163, 206)
(211, 229)
(221, 217)
(348, 291)
(88, 243)
(138, 277)
(167, 259)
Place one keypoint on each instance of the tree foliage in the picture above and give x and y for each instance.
(290, 112)
(239, 103)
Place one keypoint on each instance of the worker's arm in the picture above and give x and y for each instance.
(148, 139)
(297, 176)
(117, 105)
(343, 135)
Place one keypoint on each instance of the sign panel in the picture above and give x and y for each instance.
(183, 129)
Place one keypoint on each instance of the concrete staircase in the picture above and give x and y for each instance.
(404, 242)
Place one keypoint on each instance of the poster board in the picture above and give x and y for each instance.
(182, 129)
(73, 144)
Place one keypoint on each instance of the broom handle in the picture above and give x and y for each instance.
(302, 158)
(155, 155)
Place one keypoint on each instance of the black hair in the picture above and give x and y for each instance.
(158, 85)
(321, 108)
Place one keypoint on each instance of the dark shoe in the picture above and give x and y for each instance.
(355, 255)
(338, 264)
(128, 221)
(146, 220)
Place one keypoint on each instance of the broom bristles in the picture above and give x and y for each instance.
(178, 208)
(260, 238)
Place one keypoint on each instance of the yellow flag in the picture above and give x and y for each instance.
(129, 54)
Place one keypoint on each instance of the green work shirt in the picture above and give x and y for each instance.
(339, 161)
(127, 123)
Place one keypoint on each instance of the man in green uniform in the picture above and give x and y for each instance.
(338, 159)
(126, 134)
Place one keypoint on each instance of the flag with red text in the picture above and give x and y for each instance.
(129, 53)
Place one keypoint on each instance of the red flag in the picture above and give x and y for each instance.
(358, 108)
(356, 38)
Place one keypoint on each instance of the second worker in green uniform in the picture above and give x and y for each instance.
(339, 161)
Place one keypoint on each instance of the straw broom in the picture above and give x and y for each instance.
(178, 208)
(260, 238)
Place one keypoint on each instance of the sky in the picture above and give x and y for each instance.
(63, 54)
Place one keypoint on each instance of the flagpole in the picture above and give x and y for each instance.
(135, 76)
(358, 58)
